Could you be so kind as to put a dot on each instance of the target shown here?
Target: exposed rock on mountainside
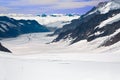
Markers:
(101, 21)
(2, 48)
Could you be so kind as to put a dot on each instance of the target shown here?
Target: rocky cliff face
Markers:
(101, 21)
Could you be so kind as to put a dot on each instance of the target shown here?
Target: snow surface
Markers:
(32, 59)
(39, 43)
(15, 68)
(111, 5)
(38, 69)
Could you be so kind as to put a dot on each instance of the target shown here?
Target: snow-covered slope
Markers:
(58, 61)
(105, 7)
(111, 20)
(96, 23)
(37, 43)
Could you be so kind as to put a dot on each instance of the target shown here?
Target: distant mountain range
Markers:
(52, 21)
(13, 25)
(41, 15)
(10, 27)
(102, 21)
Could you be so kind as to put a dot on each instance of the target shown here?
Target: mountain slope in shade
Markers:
(10, 27)
(70, 26)
(52, 22)
(95, 24)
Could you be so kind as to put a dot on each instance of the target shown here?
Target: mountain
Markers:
(69, 26)
(101, 21)
(56, 25)
(52, 22)
(10, 27)
(43, 19)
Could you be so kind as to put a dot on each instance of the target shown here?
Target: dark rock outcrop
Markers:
(71, 26)
(112, 40)
(2, 48)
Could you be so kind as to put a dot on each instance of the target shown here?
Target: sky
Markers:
(47, 6)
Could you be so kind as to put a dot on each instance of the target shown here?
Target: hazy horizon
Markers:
(47, 6)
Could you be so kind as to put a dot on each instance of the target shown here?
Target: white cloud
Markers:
(45, 5)
(57, 3)
(42, 1)
(81, 4)
(69, 5)
(32, 2)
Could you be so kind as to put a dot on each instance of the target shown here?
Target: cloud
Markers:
(44, 5)
(41, 2)
(32, 2)
(67, 4)
(71, 5)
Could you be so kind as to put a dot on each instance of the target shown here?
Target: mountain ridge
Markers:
(87, 26)
(10, 27)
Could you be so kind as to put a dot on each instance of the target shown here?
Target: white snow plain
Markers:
(32, 59)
